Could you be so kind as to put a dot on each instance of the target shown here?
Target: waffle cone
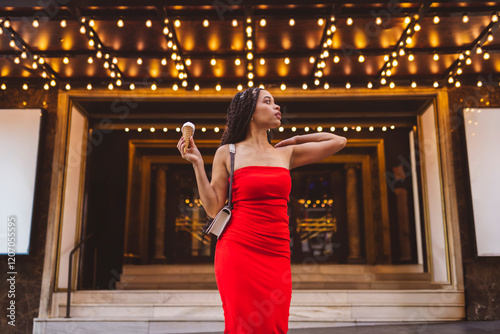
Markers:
(187, 132)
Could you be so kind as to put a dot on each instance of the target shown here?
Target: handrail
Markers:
(68, 298)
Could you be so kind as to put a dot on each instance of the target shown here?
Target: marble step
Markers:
(306, 305)
(303, 277)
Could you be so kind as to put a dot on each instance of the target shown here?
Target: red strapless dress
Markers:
(252, 257)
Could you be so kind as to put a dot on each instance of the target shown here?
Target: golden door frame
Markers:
(139, 181)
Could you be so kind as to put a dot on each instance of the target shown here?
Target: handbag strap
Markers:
(232, 151)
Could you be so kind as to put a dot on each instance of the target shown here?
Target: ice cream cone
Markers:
(187, 131)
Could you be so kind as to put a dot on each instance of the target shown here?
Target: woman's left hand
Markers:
(286, 142)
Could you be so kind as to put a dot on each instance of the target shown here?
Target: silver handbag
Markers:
(218, 224)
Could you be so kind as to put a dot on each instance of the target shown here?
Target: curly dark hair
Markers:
(239, 115)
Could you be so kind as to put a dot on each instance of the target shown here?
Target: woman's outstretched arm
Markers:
(311, 148)
(212, 194)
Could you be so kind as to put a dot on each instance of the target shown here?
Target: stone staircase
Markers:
(184, 299)
(200, 311)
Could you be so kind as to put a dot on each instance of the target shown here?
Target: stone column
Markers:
(160, 215)
(353, 223)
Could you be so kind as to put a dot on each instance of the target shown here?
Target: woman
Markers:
(252, 257)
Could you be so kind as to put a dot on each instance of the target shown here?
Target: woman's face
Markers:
(266, 113)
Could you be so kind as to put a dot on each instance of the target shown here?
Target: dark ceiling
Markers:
(396, 42)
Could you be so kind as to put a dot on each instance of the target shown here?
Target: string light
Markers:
(132, 86)
(468, 61)
(347, 85)
(206, 23)
(435, 57)
(52, 83)
(320, 21)
(262, 61)
(306, 129)
(139, 61)
(490, 37)
(235, 23)
(68, 86)
(486, 56)
(110, 86)
(370, 85)
(417, 27)
(435, 84)
(361, 58)
(4, 86)
(384, 128)
(479, 83)
(89, 86)
(326, 85)
(46, 86)
(216, 129)
(411, 57)
(291, 22)
(139, 129)
(65, 60)
(153, 86)
(457, 84)
(371, 128)
(304, 86)
(283, 86)
(413, 84)
(293, 129)
(175, 87)
(345, 128)
(336, 59)
(349, 21)
(196, 87)
(218, 87)
(127, 129)
(392, 85)
(35, 23)
(177, 23)
(465, 18)
(494, 17)
(320, 128)
(287, 60)
(435, 20)
(263, 22)
(25, 86)
(407, 20)
(213, 62)
(378, 21)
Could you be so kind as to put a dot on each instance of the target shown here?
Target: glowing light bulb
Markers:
(66, 60)
(435, 20)
(486, 56)
(153, 86)
(132, 86)
(465, 18)
(347, 85)
(435, 84)
(196, 87)
(177, 23)
(435, 57)
(68, 86)
(304, 86)
(262, 61)
(378, 21)
(291, 22)
(349, 21)
(213, 62)
(263, 22)
(120, 23)
(287, 60)
(149, 23)
(361, 58)
(235, 23)
(63, 23)
(411, 57)
(392, 85)
(336, 59)
(417, 27)
(139, 61)
(206, 23)
(369, 85)
(89, 87)
(320, 21)
(283, 86)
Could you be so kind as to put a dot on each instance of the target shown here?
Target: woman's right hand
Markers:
(192, 155)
